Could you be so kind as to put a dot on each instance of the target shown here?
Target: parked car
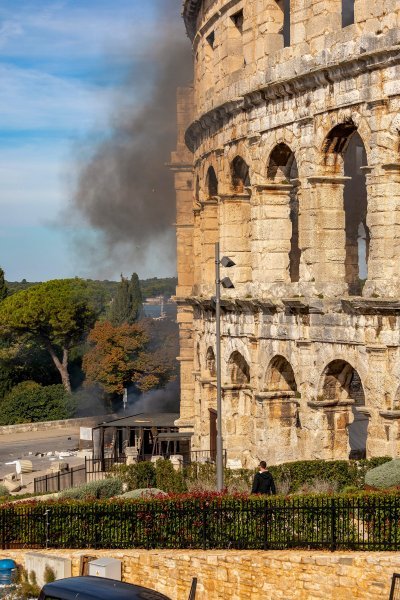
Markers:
(97, 588)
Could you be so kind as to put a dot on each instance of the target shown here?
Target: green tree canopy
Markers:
(56, 314)
(3, 286)
(136, 300)
(118, 357)
(127, 304)
(29, 402)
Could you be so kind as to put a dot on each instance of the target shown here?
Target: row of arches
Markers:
(340, 381)
(340, 384)
(344, 154)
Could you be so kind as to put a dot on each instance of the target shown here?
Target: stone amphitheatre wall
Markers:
(293, 165)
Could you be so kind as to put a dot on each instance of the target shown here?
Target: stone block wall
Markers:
(252, 575)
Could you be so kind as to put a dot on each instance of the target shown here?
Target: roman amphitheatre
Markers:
(288, 155)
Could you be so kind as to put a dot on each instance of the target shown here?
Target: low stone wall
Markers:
(250, 575)
(48, 425)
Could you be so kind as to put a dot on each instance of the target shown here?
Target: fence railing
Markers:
(60, 480)
(106, 464)
(362, 523)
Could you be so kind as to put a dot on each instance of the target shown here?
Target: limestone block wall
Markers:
(250, 575)
(295, 142)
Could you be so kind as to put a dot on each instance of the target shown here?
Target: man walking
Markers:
(263, 482)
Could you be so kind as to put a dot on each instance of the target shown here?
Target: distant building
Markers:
(288, 154)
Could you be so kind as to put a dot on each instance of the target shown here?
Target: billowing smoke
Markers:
(156, 401)
(124, 190)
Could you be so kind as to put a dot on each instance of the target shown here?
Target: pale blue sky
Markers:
(61, 65)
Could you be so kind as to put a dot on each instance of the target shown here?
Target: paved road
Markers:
(20, 445)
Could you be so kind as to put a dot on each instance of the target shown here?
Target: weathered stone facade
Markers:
(250, 575)
(293, 164)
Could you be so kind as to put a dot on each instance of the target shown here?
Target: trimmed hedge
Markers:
(344, 473)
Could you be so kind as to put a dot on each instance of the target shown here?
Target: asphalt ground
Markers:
(27, 445)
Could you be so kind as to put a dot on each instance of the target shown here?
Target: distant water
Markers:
(154, 310)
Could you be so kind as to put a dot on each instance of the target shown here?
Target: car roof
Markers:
(98, 588)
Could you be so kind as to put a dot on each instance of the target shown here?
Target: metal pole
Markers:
(220, 462)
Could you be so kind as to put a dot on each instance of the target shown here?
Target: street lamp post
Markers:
(227, 283)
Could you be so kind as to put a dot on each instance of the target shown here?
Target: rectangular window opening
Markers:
(347, 12)
(237, 19)
(284, 31)
(211, 39)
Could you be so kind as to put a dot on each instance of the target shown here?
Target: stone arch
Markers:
(332, 134)
(336, 381)
(210, 362)
(340, 384)
(280, 376)
(240, 174)
(211, 183)
(345, 154)
(239, 370)
(282, 169)
(197, 189)
(282, 165)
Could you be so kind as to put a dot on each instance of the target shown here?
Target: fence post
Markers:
(204, 507)
(265, 525)
(333, 525)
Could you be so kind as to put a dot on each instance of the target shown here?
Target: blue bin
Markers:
(8, 571)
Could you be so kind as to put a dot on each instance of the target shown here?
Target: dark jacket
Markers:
(263, 483)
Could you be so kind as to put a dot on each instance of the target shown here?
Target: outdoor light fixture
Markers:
(227, 283)
(227, 262)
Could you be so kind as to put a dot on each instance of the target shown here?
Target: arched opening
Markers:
(342, 382)
(211, 183)
(282, 168)
(355, 206)
(240, 174)
(239, 370)
(210, 362)
(197, 190)
(280, 376)
(345, 143)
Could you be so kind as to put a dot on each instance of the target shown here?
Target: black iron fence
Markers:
(61, 480)
(95, 466)
(345, 523)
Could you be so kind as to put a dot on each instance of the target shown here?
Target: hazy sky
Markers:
(62, 64)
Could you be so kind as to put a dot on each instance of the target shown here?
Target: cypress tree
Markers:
(121, 305)
(3, 287)
(136, 300)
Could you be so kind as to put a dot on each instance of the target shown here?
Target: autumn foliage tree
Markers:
(118, 357)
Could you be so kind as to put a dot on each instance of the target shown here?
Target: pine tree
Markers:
(136, 300)
(121, 305)
(3, 287)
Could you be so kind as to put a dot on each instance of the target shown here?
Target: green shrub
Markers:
(29, 402)
(144, 493)
(105, 488)
(384, 476)
(137, 476)
(4, 491)
(169, 480)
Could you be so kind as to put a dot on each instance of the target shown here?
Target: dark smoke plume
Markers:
(124, 190)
